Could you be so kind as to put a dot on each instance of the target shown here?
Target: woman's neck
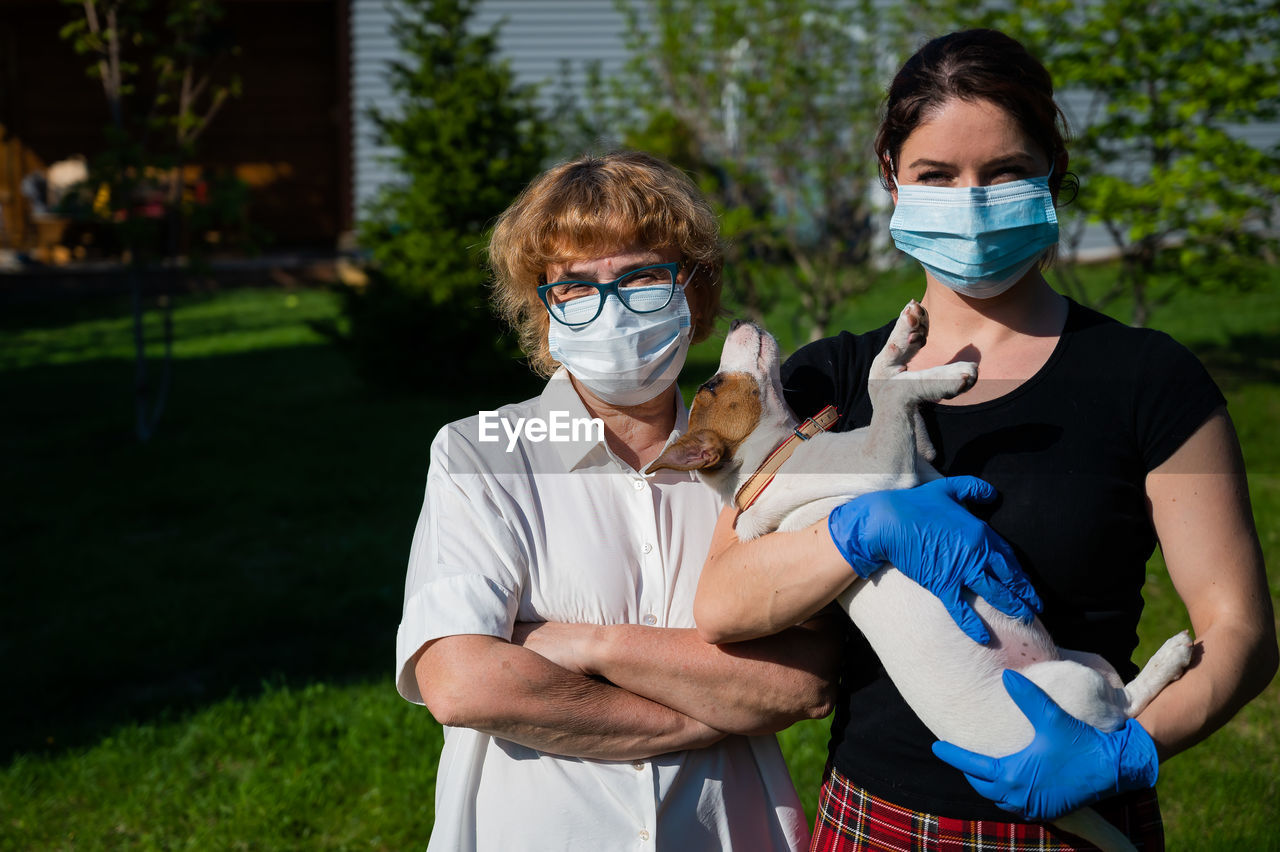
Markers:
(1029, 309)
(1010, 336)
(635, 433)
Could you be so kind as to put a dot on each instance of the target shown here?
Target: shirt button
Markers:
(644, 834)
(637, 484)
(648, 548)
(638, 765)
(651, 619)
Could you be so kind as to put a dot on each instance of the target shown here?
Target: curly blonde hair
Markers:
(594, 206)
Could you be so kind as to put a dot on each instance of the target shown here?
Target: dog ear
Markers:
(699, 450)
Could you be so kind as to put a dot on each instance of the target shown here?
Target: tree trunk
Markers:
(1138, 287)
(142, 423)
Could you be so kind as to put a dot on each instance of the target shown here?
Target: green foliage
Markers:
(773, 103)
(1164, 169)
(467, 140)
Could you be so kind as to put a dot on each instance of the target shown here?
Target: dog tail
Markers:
(1088, 824)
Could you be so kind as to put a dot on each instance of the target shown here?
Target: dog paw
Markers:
(962, 375)
(908, 335)
(1174, 655)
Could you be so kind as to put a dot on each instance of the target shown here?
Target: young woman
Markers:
(1094, 442)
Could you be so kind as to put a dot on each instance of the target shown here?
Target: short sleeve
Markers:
(1173, 397)
(466, 566)
(809, 377)
(833, 371)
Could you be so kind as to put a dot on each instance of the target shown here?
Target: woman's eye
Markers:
(932, 177)
(572, 289)
(645, 278)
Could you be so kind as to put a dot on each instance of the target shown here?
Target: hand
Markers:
(1067, 765)
(927, 534)
(566, 645)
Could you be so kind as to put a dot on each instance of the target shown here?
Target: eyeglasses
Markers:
(643, 290)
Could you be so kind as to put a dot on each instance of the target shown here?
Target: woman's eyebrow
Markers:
(1019, 159)
(922, 162)
(575, 274)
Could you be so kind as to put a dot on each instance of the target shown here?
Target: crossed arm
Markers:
(666, 691)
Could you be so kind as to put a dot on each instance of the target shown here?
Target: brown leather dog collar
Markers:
(758, 481)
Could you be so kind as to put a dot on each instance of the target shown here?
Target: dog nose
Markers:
(735, 323)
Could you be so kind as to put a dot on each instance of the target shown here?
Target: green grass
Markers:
(197, 635)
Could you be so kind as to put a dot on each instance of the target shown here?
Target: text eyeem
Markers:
(558, 427)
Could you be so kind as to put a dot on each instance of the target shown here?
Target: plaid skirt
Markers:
(852, 820)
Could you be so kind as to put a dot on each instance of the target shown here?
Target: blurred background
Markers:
(242, 286)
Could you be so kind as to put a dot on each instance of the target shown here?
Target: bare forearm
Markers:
(753, 687)
(1230, 666)
(515, 694)
(1199, 503)
(760, 587)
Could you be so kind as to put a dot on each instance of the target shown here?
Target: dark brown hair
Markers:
(973, 65)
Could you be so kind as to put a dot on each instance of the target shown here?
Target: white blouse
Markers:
(516, 527)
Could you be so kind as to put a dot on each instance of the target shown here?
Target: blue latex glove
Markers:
(1068, 765)
(928, 534)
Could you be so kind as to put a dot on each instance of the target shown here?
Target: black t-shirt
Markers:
(1068, 450)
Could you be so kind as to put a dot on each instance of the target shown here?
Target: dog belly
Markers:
(954, 684)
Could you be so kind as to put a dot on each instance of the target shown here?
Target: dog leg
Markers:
(1162, 669)
(908, 335)
(1089, 824)
(896, 435)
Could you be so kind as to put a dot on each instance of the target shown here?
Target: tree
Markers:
(1166, 171)
(156, 65)
(467, 139)
(774, 103)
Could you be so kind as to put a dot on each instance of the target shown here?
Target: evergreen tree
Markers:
(467, 139)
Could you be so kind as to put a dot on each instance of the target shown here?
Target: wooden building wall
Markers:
(286, 135)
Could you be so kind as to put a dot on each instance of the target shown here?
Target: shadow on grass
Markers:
(1246, 359)
(262, 536)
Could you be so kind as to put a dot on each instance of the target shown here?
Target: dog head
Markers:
(736, 413)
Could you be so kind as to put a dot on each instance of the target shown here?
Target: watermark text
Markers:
(559, 427)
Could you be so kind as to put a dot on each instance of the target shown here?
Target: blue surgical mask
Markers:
(624, 357)
(977, 240)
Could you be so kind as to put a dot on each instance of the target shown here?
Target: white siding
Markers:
(534, 37)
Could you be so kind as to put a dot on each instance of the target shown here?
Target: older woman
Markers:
(548, 607)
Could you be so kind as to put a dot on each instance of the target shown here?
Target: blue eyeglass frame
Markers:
(611, 287)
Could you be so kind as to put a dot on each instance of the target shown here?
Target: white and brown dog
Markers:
(738, 440)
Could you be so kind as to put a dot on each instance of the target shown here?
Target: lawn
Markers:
(198, 634)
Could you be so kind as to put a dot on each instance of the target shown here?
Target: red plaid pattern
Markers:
(852, 820)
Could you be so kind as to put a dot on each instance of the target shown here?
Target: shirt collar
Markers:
(560, 395)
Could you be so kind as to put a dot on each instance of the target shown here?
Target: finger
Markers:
(1013, 586)
(998, 793)
(1000, 597)
(1010, 572)
(967, 619)
(980, 767)
(1041, 710)
(967, 488)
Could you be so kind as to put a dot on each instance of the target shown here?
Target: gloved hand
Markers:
(1068, 765)
(927, 534)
